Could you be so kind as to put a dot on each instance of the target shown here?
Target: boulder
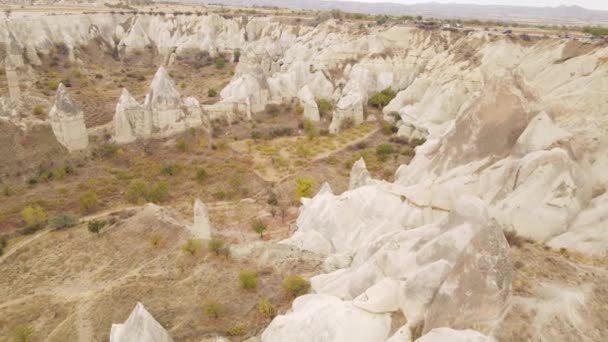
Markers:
(307, 100)
(326, 318)
(359, 176)
(67, 121)
(202, 227)
(447, 334)
(140, 326)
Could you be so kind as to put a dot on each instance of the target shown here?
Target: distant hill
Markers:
(566, 15)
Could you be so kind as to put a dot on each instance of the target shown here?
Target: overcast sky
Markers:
(593, 4)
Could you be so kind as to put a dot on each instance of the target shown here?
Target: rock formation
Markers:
(67, 121)
(140, 326)
(163, 112)
(202, 227)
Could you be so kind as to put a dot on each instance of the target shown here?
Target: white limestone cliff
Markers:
(140, 326)
(67, 121)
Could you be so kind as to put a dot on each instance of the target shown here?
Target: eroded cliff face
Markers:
(513, 140)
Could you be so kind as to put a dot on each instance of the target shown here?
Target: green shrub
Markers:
(7, 191)
(191, 247)
(259, 227)
(212, 92)
(304, 188)
(23, 333)
(272, 109)
(201, 175)
(408, 151)
(255, 135)
(106, 150)
(248, 280)
(88, 200)
(182, 145)
(34, 216)
(296, 286)
(272, 199)
(95, 226)
(596, 30)
(237, 55)
(38, 111)
(347, 123)
(158, 192)
(214, 246)
(384, 150)
(53, 84)
(136, 192)
(324, 107)
(182, 85)
(417, 141)
(59, 173)
(213, 309)
(266, 309)
(309, 128)
(237, 330)
(220, 62)
(389, 128)
(63, 220)
(168, 169)
(382, 98)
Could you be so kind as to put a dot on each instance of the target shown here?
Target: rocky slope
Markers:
(514, 140)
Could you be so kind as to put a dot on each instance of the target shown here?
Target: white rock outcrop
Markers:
(307, 100)
(202, 227)
(140, 326)
(359, 176)
(67, 121)
(447, 334)
(163, 112)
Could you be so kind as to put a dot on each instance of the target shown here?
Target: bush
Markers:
(255, 135)
(63, 220)
(212, 92)
(215, 246)
(38, 111)
(191, 247)
(408, 151)
(201, 175)
(381, 99)
(272, 199)
(266, 309)
(3, 243)
(237, 55)
(182, 145)
(324, 106)
(95, 226)
(220, 62)
(347, 123)
(136, 192)
(384, 150)
(106, 150)
(272, 109)
(23, 333)
(155, 239)
(157, 192)
(7, 191)
(53, 84)
(388, 128)
(514, 239)
(168, 169)
(237, 330)
(259, 227)
(296, 286)
(304, 188)
(213, 309)
(34, 216)
(88, 200)
(248, 280)
(309, 128)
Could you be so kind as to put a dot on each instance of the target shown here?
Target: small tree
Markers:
(34, 216)
(259, 227)
(213, 309)
(266, 309)
(215, 246)
(248, 280)
(95, 226)
(296, 286)
(237, 55)
(304, 188)
(88, 200)
(324, 106)
(191, 247)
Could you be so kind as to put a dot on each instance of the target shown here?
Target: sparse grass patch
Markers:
(95, 226)
(155, 240)
(304, 188)
(88, 201)
(34, 216)
(266, 309)
(63, 220)
(296, 286)
(215, 246)
(191, 247)
(381, 99)
(238, 329)
(248, 280)
(213, 309)
(514, 239)
(23, 333)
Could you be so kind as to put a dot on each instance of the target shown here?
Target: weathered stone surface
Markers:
(327, 318)
(359, 176)
(307, 100)
(447, 334)
(140, 326)
(202, 227)
(67, 121)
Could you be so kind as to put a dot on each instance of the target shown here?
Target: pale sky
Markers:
(592, 4)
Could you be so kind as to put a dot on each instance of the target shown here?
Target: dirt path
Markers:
(22, 244)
